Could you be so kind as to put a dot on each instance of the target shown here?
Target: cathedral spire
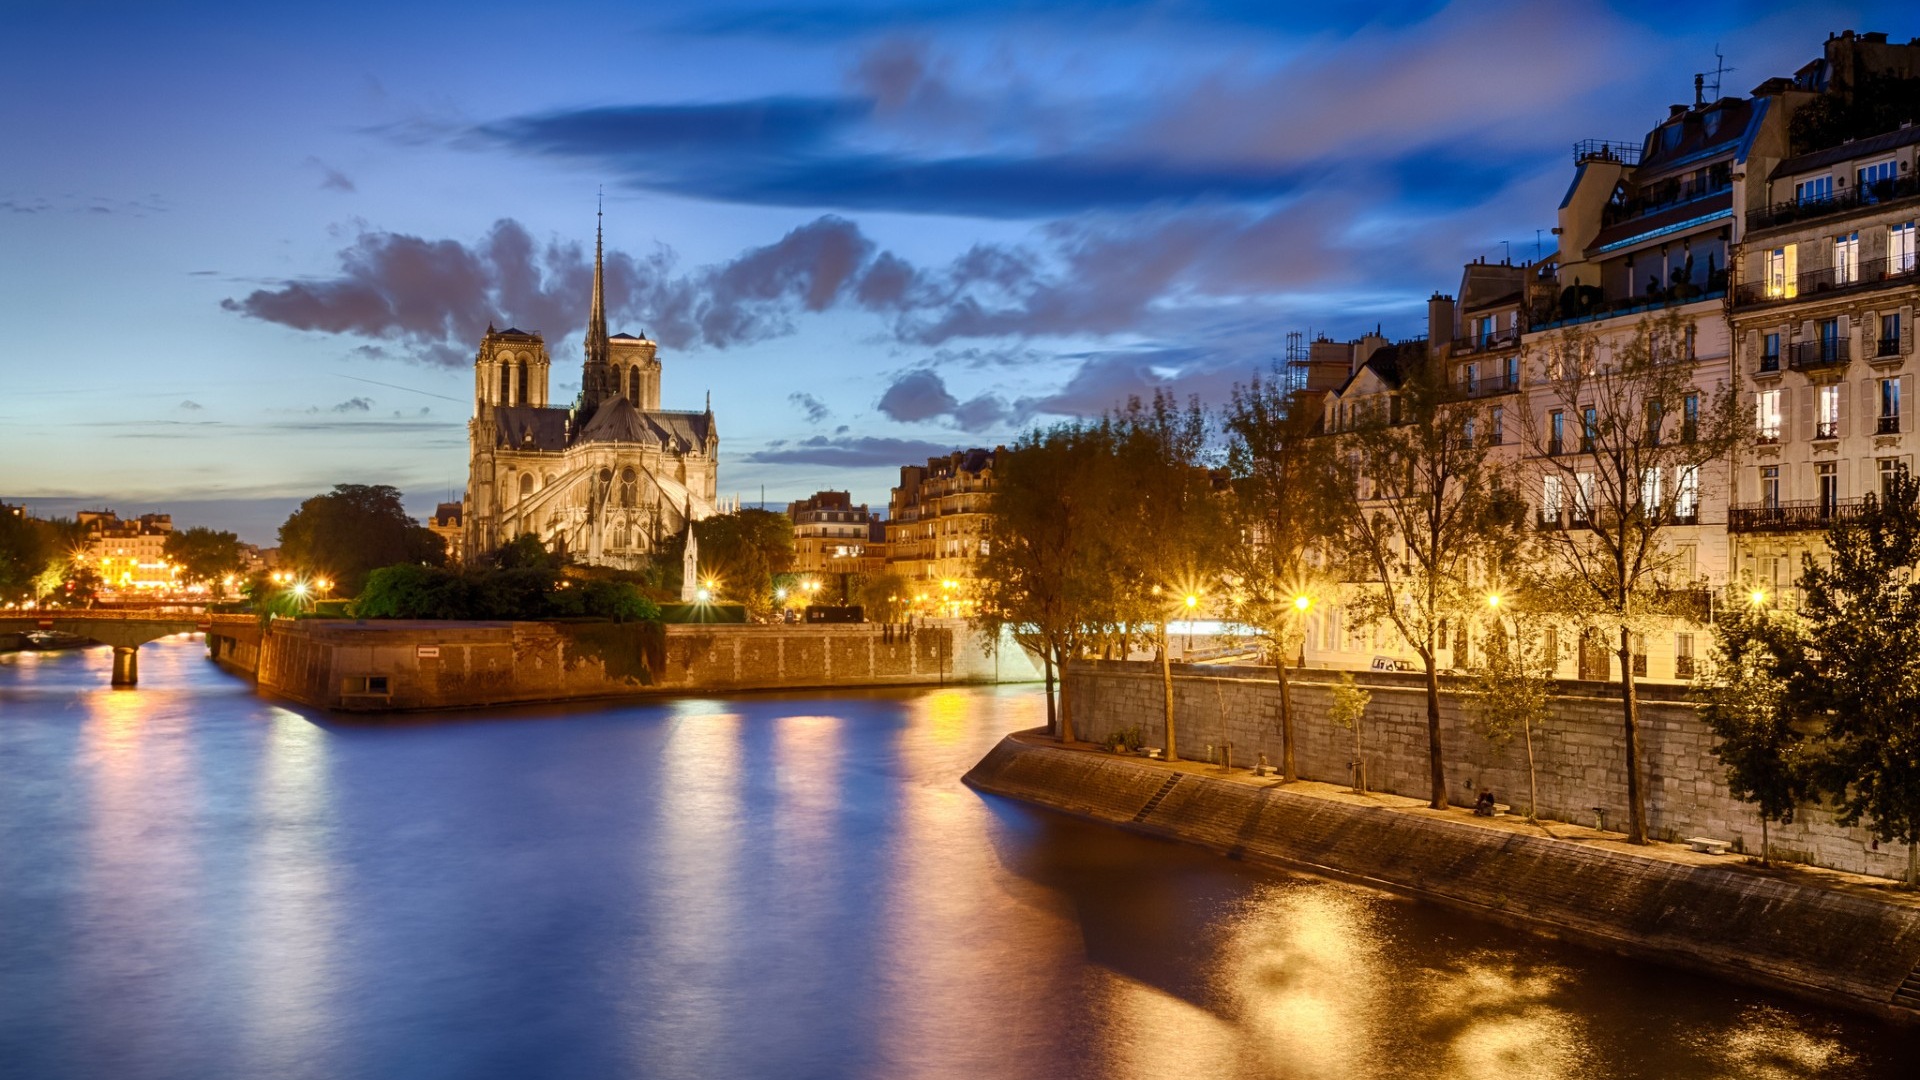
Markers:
(597, 320)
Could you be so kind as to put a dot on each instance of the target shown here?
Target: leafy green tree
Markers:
(1349, 710)
(1743, 702)
(525, 552)
(1422, 514)
(1639, 438)
(1511, 687)
(1282, 515)
(1858, 672)
(1162, 547)
(205, 556)
(742, 552)
(353, 530)
(1039, 578)
(886, 596)
(26, 549)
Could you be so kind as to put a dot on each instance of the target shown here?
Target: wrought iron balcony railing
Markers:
(1866, 274)
(1492, 339)
(1801, 516)
(1786, 213)
(1819, 353)
(1886, 347)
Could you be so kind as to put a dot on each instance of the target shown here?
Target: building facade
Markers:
(937, 529)
(833, 536)
(605, 481)
(130, 555)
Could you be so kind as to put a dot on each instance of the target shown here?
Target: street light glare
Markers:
(1757, 597)
(1302, 603)
(1493, 600)
(1192, 601)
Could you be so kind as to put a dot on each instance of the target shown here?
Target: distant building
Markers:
(448, 523)
(606, 481)
(937, 529)
(833, 536)
(131, 554)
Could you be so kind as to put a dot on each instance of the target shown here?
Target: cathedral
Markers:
(604, 481)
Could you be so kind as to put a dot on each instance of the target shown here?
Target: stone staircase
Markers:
(1908, 994)
(1154, 803)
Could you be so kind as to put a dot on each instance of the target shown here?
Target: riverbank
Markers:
(1838, 938)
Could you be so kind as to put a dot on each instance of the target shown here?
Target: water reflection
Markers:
(197, 882)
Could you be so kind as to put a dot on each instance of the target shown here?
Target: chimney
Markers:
(1699, 90)
(1439, 320)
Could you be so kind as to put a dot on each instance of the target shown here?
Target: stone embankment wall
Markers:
(381, 666)
(1839, 946)
(1579, 751)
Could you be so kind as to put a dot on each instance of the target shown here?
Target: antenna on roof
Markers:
(1719, 73)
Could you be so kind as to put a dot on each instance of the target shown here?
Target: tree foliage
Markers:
(1877, 103)
(205, 556)
(412, 591)
(886, 596)
(1511, 687)
(26, 549)
(351, 531)
(742, 552)
(1743, 701)
(1424, 518)
(1631, 460)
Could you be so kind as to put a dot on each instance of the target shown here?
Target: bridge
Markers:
(125, 629)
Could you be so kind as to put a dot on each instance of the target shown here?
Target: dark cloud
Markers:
(811, 407)
(331, 179)
(190, 406)
(352, 405)
(916, 396)
(818, 22)
(850, 453)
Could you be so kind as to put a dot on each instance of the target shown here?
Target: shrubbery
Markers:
(411, 591)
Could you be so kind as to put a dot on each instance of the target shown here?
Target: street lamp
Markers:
(1757, 597)
(1302, 602)
(1493, 600)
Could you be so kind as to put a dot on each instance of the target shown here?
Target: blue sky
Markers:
(246, 252)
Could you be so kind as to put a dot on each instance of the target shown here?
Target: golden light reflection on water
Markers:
(693, 875)
(292, 906)
(1302, 974)
(1768, 1043)
(1494, 1020)
(948, 714)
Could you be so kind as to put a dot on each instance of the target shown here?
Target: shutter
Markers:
(1843, 490)
(1869, 406)
(1807, 399)
(1752, 354)
(1841, 420)
(1786, 413)
(1906, 403)
(1906, 328)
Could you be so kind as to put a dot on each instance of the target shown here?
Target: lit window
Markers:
(1900, 248)
(1827, 413)
(1781, 280)
(1767, 415)
(1846, 259)
(1770, 486)
(1817, 189)
(1582, 496)
(1686, 494)
(1550, 497)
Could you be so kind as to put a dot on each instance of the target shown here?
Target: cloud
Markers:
(351, 405)
(811, 407)
(849, 453)
(917, 395)
(190, 406)
(331, 179)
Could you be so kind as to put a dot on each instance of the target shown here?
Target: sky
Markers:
(247, 251)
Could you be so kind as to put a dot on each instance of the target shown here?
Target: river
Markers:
(197, 882)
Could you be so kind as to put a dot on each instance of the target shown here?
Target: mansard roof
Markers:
(530, 427)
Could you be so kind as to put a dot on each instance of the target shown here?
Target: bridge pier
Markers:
(126, 665)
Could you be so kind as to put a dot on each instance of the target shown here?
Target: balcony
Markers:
(1818, 354)
(1886, 348)
(1487, 342)
(1490, 385)
(1826, 430)
(1770, 364)
(1626, 153)
(1593, 306)
(1666, 194)
(1888, 425)
(1787, 213)
(1870, 274)
(1803, 516)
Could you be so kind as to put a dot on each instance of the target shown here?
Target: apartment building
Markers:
(936, 529)
(833, 536)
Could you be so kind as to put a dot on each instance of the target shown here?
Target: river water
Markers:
(198, 882)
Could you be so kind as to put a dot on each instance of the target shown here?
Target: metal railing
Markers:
(1626, 153)
(1664, 196)
(1826, 429)
(1819, 353)
(1883, 348)
(1869, 273)
(1488, 385)
(1493, 339)
(1786, 213)
(1803, 515)
(1889, 425)
(1769, 363)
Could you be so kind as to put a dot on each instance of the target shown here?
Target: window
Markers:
(1513, 369)
(633, 386)
(1466, 432)
(1829, 330)
(1889, 335)
(1890, 468)
(1650, 493)
(526, 485)
(1828, 477)
(506, 384)
(1495, 429)
(1816, 189)
(1589, 428)
(1483, 330)
(1553, 645)
(1686, 493)
(1690, 417)
(1781, 277)
(1550, 498)
(1766, 415)
(1826, 423)
(1638, 643)
(629, 488)
(1582, 496)
(1889, 406)
(1869, 177)
(1556, 432)
(520, 392)
(1472, 379)
(1770, 486)
(1770, 352)
(1685, 561)
(1846, 259)
(1683, 656)
(1900, 248)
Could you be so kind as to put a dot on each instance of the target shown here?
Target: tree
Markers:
(1512, 686)
(1744, 704)
(1631, 468)
(1161, 548)
(1858, 674)
(1038, 579)
(1349, 710)
(1282, 516)
(1423, 515)
(25, 552)
(353, 530)
(744, 550)
(885, 596)
(205, 556)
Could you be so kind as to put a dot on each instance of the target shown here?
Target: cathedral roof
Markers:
(617, 421)
(530, 427)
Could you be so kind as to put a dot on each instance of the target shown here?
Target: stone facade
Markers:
(1579, 755)
(937, 529)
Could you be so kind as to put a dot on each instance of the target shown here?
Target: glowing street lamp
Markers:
(1302, 603)
(1493, 600)
(1757, 597)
